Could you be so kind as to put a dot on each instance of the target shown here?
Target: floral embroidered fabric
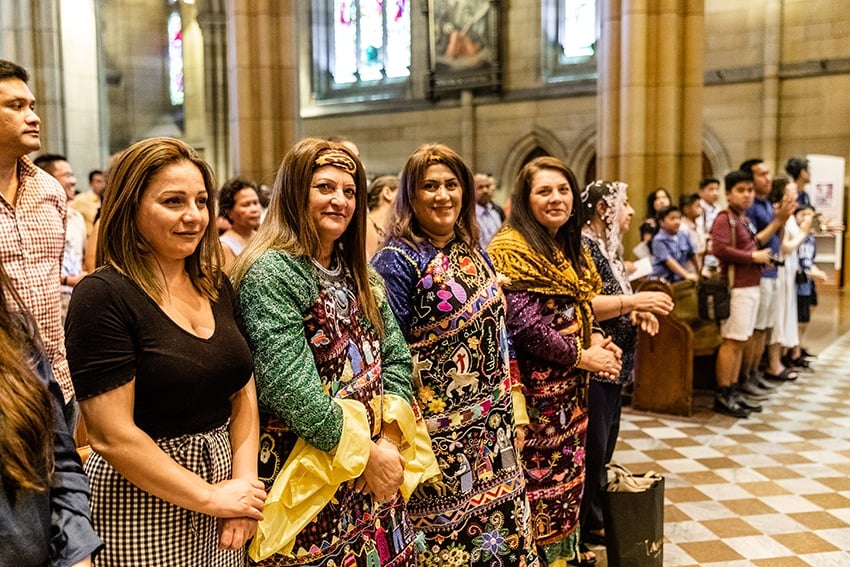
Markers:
(453, 316)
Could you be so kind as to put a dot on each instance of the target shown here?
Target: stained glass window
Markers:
(366, 43)
(570, 33)
(175, 58)
(578, 39)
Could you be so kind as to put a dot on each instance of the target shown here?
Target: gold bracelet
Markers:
(620, 297)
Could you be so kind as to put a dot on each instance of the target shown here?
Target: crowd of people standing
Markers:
(352, 374)
(763, 245)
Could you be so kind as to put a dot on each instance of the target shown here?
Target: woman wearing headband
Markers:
(340, 443)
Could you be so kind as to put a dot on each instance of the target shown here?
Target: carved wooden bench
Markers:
(664, 366)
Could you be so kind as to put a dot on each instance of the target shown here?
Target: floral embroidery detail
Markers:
(426, 394)
(437, 405)
(455, 320)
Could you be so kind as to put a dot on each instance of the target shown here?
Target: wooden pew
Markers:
(664, 366)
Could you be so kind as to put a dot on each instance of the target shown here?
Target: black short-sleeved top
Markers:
(115, 332)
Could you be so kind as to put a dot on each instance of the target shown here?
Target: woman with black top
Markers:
(162, 372)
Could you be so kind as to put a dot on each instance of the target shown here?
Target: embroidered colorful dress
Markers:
(549, 317)
(453, 316)
(326, 383)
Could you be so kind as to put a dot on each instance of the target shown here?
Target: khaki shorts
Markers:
(743, 308)
(768, 308)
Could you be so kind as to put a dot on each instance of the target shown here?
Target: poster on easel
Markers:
(826, 191)
(826, 185)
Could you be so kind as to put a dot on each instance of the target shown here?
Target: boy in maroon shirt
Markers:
(742, 255)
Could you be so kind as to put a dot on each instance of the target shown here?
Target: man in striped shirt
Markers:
(32, 222)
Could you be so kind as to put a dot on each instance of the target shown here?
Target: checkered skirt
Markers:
(139, 529)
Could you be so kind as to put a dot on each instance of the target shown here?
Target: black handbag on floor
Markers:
(633, 508)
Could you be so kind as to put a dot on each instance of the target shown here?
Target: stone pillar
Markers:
(212, 21)
(649, 104)
(31, 38)
(263, 62)
(771, 95)
(83, 92)
(194, 82)
(467, 147)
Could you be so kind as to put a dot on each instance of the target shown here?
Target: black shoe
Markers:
(746, 402)
(753, 390)
(586, 557)
(765, 385)
(724, 403)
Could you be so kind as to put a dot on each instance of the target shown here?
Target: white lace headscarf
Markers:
(614, 195)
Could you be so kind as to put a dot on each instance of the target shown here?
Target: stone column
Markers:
(770, 84)
(31, 38)
(194, 80)
(467, 147)
(213, 24)
(649, 104)
(263, 63)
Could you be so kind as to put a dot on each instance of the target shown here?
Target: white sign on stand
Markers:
(826, 191)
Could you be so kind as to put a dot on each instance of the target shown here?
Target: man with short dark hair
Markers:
(768, 222)
(32, 221)
(490, 215)
(798, 169)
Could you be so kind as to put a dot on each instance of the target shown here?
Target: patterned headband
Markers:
(337, 158)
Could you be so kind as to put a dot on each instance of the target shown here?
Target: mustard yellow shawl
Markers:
(529, 270)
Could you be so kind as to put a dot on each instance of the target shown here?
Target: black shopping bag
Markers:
(634, 521)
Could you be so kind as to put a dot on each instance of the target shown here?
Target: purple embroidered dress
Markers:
(543, 331)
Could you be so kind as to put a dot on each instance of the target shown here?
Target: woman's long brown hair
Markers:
(404, 224)
(26, 409)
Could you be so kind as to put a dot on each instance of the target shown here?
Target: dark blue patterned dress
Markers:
(452, 314)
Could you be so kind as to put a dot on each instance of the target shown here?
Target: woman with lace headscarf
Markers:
(607, 214)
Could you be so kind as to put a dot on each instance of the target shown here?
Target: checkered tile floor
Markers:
(770, 490)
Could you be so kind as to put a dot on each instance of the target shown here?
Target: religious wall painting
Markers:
(464, 45)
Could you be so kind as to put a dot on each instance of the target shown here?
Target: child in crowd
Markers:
(692, 222)
(733, 238)
(647, 231)
(806, 292)
(672, 250)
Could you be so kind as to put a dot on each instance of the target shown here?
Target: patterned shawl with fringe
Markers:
(529, 270)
